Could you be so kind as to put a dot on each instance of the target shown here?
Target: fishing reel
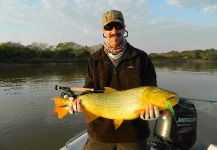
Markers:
(67, 92)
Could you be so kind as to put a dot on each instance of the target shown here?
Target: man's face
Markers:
(114, 32)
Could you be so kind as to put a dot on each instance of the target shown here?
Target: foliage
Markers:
(204, 55)
(11, 52)
(70, 52)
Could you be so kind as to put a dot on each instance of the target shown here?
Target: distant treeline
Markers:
(189, 55)
(70, 52)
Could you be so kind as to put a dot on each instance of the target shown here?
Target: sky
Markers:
(153, 25)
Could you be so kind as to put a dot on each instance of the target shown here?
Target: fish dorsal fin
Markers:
(109, 90)
(117, 123)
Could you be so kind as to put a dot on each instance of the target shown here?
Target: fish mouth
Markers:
(173, 99)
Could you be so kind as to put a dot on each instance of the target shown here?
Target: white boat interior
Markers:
(77, 142)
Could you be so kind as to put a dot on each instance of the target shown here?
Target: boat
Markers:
(77, 142)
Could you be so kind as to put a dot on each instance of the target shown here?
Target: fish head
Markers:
(158, 97)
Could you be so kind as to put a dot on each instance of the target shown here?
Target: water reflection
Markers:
(65, 72)
(21, 73)
(15, 77)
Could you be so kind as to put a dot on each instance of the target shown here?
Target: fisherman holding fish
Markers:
(120, 66)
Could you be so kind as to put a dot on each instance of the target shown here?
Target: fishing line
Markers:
(202, 107)
(200, 100)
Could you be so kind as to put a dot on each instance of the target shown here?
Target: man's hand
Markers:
(151, 113)
(76, 105)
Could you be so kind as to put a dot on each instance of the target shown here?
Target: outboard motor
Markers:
(177, 132)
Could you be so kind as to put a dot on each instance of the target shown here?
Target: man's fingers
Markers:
(147, 113)
(71, 110)
(156, 112)
(151, 113)
(142, 113)
(71, 99)
(79, 105)
(76, 105)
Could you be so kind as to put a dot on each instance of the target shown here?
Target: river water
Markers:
(27, 120)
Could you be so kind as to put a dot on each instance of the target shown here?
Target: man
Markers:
(120, 66)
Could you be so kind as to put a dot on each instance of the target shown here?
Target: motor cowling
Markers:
(180, 130)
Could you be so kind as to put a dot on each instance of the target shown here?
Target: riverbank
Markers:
(71, 52)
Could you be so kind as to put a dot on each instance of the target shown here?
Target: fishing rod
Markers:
(70, 90)
(79, 89)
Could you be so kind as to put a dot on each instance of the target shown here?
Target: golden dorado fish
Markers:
(118, 105)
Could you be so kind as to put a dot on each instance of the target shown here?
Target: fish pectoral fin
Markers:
(109, 90)
(61, 112)
(117, 123)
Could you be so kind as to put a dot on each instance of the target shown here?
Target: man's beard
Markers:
(115, 35)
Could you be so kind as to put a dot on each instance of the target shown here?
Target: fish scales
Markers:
(115, 105)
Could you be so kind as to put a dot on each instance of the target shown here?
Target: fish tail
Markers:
(59, 102)
(170, 108)
(61, 106)
(61, 112)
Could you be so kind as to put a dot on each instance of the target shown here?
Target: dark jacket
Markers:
(135, 69)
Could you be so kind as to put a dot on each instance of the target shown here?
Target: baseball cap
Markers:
(112, 16)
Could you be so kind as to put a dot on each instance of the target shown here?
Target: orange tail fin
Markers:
(60, 101)
(61, 106)
(61, 112)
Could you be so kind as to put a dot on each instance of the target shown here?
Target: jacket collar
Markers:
(129, 53)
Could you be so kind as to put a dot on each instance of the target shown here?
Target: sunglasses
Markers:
(115, 25)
